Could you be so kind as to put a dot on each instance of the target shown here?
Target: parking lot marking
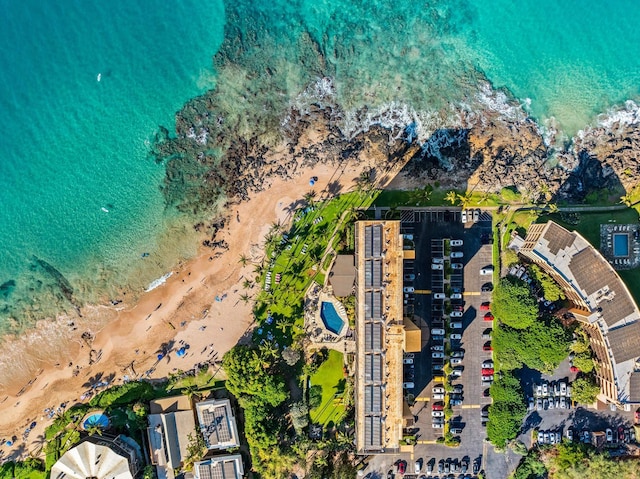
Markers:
(426, 442)
(422, 291)
(424, 399)
(471, 293)
(471, 406)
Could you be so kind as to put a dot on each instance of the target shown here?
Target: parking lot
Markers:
(434, 314)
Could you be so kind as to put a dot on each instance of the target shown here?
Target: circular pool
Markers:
(95, 419)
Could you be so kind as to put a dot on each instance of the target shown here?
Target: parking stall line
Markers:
(422, 399)
(471, 406)
(471, 293)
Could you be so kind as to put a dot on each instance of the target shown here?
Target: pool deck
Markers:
(607, 245)
(317, 332)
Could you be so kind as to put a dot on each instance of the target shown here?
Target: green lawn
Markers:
(330, 376)
(395, 198)
(294, 259)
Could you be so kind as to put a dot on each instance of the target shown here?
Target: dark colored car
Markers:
(441, 466)
(486, 287)
(476, 466)
(487, 346)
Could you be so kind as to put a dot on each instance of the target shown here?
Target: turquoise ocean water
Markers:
(72, 145)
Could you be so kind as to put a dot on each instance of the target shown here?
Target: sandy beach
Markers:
(198, 307)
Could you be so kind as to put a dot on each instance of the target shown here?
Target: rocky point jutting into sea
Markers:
(336, 87)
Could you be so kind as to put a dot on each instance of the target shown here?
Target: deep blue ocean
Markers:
(85, 85)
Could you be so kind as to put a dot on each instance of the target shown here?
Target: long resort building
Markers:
(601, 302)
(380, 336)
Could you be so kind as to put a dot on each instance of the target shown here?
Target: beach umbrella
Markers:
(181, 352)
(312, 182)
(160, 356)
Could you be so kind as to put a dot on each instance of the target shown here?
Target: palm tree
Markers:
(247, 284)
(451, 196)
(464, 199)
(552, 208)
(245, 298)
(276, 228)
(309, 197)
(422, 195)
(626, 200)
(243, 259)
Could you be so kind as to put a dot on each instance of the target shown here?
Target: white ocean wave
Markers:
(158, 282)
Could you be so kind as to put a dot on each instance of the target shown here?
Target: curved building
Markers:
(601, 302)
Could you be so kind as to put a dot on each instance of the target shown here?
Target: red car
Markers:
(487, 347)
(437, 406)
(402, 467)
(487, 371)
(485, 307)
(488, 317)
(637, 416)
(574, 369)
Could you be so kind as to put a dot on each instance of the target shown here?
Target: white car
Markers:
(456, 336)
(408, 289)
(408, 385)
(438, 396)
(457, 372)
(438, 390)
(463, 216)
(456, 296)
(456, 314)
(456, 242)
(418, 466)
(437, 332)
(457, 266)
(439, 296)
(455, 361)
(456, 325)
(437, 260)
(407, 360)
(437, 348)
(437, 413)
(437, 267)
(437, 425)
(486, 270)
(456, 254)
(437, 355)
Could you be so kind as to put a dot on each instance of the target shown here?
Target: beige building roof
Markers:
(593, 285)
(380, 337)
(413, 337)
(343, 275)
(217, 424)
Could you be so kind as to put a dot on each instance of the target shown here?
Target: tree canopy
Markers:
(585, 390)
(513, 303)
(507, 410)
(541, 346)
(552, 291)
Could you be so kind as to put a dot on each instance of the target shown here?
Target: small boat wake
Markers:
(99, 77)
(104, 209)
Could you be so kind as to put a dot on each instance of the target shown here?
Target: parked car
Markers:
(455, 361)
(456, 242)
(487, 346)
(487, 364)
(487, 371)
(456, 314)
(463, 216)
(457, 389)
(569, 434)
(438, 396)
(458, 353)
(574, 369)
(430, 466)
(476, 466)
(476, 215)
(438, 389)
(457, 266)
(437, 331)
(437, 413)
(545, 389)
(547, 439)
(485, 306)
(436, 266)
(407, 360)
(408, 385)
(409, 277)
(487, 377)
(456, 336)
(437, 425)
(532, 404)
(487, 270)
(538, 389)
(440, 466)
(456, 325)
(609, 434)
(439, 296)
(437, 260)
(437, 406)
(409, 289)
(563, 388)
(455, 430)
(402, 467)
(458, 307)
(486, 393)
(456, 254)
(486, 334)
(487, 287)
(455, 402)
(437, 355)
(456, 296)
(539, 404)
(488, 317)
(437, 347)
(457, 372)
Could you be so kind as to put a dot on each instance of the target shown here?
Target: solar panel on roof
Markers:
(377, 241)
(368, 273)
(230, 470)
(204, 471)
(377, 274)
(376, 311)
(368, 241)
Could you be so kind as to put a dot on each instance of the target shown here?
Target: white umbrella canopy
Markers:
(89, 460)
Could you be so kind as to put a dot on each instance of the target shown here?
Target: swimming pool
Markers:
(620, 245)
(97, 419)
(330, 317)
